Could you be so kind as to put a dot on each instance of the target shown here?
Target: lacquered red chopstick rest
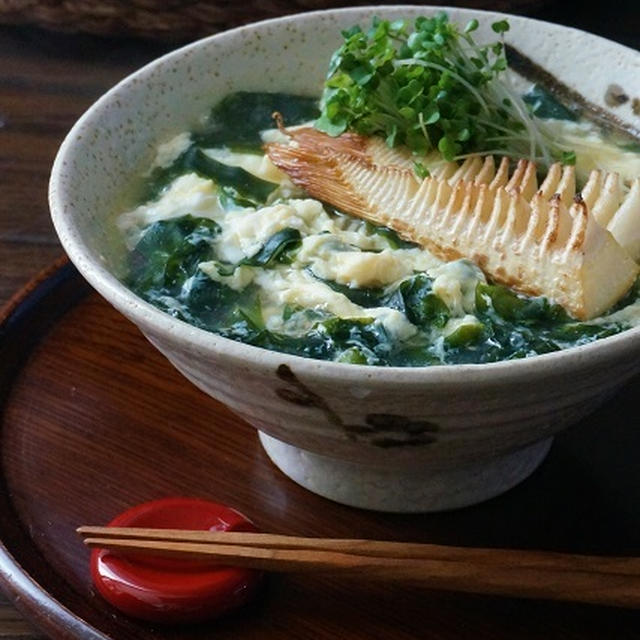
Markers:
(168, 590)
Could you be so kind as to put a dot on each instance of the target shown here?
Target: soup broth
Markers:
(223, 240)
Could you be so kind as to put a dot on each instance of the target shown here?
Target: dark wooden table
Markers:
(47, 80)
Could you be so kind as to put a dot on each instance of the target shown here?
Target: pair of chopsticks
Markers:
(527, 574)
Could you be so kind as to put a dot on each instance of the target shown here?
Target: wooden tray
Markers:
(95, 420)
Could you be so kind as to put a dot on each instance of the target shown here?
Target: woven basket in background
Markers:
(180, 20)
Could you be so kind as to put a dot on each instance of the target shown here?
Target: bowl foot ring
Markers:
(414, 491)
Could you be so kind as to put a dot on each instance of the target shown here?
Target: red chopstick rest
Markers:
(168, 590)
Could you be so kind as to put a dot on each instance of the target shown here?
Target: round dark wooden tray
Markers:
(94, 420)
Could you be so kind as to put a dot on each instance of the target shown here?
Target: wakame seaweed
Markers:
(237, 184)
(280, 247)
(237, 120)
(164, 271)
(421, 306)
(545, 105)
(169, 253)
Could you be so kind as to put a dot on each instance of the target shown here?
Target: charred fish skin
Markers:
(539, 240)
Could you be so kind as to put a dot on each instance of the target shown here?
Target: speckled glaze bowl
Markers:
(392, 439)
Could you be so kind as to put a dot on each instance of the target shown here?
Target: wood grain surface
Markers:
(173, 21)
(47, 80)
(96, 420)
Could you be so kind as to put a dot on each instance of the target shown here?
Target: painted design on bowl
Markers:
(385, 430)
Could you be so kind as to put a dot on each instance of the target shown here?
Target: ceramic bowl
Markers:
(391, 439)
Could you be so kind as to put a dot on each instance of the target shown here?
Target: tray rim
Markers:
(40, 607)
(31, 593)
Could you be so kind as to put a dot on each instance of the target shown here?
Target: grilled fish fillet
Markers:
(540, 240)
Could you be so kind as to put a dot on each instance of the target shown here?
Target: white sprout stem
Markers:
(523, 116)
(500, 128)
(512, 95)
(507, 138)
(531, 138)
(463, 54)
(548, 133)
(535, 135)
(423, 128)
(495, 81)
(526, 117)
(569, 147)
(433, 65)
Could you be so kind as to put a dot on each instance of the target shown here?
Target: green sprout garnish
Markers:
(429, 88)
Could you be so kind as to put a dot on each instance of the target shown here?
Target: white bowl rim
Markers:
(152, 319)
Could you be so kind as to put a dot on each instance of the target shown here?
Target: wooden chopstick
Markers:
(529, 574)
